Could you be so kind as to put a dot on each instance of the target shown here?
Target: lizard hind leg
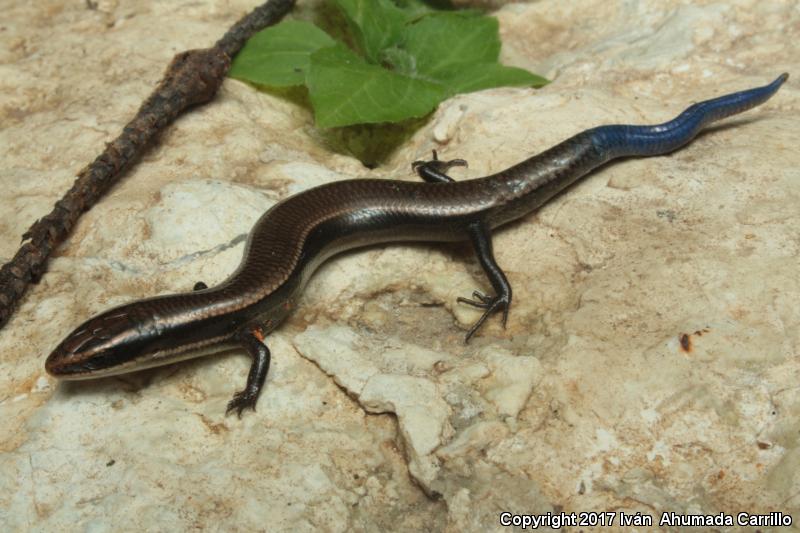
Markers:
(433, 170)
(482, 242)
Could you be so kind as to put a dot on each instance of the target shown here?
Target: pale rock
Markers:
(473, 439)
(421, 411)
(334, 351)
(649, 363)
(511, 381)
(422, 414)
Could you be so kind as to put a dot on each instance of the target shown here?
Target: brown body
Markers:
(290, 240)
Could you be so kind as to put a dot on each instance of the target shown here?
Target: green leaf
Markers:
(376, 24)
(345, 90)
(465, 78)
(415, 56)
(279, 56)
(415, 9)
(399, 60)
(440, 41)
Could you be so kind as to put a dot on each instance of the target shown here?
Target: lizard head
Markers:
(104, 345)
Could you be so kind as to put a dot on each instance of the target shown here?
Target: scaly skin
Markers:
(294, 237)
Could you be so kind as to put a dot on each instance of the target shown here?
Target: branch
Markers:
(193, 77)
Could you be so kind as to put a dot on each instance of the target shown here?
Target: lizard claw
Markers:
(491, 304)
(242, 400)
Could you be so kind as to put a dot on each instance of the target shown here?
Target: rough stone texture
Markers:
(651, 358)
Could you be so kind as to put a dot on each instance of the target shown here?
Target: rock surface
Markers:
(652, 355)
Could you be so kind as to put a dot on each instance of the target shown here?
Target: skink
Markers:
(297, 234)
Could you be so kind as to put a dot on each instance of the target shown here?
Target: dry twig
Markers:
(193, 77)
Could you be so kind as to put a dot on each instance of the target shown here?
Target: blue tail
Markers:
(622, 140)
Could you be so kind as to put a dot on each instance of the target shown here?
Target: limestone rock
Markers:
(649, 364)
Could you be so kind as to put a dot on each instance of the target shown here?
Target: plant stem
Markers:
(193, 77)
